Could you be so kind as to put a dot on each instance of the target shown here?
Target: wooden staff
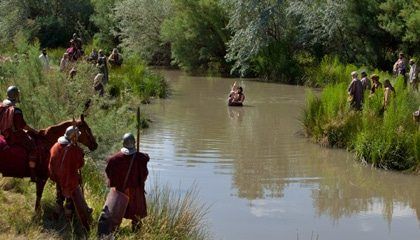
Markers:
(138, 129)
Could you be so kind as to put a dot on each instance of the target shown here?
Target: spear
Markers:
(138, 129)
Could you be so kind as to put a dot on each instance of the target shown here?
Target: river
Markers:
(260, 178)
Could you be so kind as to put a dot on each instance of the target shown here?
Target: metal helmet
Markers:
(72, 132)
(13, 93)
(129, 141)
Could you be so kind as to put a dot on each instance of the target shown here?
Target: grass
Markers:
(49, 97)
(387, 139)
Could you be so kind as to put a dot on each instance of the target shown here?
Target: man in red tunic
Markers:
(116, 171)
(65, 162)
(15, 130)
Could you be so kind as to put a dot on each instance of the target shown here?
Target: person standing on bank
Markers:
(365, 81)
(355, 91)
(413, 75)
(127, 172)
(66, 161)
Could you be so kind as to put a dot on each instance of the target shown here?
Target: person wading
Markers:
(66, 162)
(15, 130)
(355, 91)
(127, 173)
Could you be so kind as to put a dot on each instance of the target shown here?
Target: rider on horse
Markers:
(15, 130)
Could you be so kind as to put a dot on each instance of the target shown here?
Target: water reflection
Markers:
(254, 154)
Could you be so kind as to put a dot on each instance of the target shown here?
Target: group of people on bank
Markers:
(357, 88)
(75, 52)
(126, 170)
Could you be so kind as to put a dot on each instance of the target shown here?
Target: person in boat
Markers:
(130, 181)
(236, 96)
(16, 131)
(66, 161)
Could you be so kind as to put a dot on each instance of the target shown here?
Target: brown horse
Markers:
(14, 159)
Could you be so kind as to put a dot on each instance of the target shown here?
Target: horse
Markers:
(14, 159)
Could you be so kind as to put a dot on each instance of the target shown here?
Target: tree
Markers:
(198, 35)
(13, 20)
(106, 24)
(139, 28)
(254, 24)
(346, 28)
(51, 21)
(401, 18)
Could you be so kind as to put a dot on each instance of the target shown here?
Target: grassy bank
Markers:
(49, 97)
(387, 139)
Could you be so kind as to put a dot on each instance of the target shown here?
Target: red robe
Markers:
(12, 125)
(117, 169)
(65, 171)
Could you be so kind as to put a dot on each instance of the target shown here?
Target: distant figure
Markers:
(413, 75)
(72, 51)
(77, 42)
(73, 72)
(127, 173)
(389, 93)
(98, 84)
(115, 59)
(400, 67)
(102, 65)
(64, 62)
(236, 96)
(45, 61)
(375, 83)
(365, 81)
(93, 57)
(355, 91)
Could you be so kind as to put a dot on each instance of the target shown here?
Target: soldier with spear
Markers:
(127, 173)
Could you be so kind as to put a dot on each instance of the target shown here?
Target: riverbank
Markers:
(48, 97)
(387, 139)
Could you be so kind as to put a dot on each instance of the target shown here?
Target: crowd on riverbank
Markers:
(49, 96)
(384, 129)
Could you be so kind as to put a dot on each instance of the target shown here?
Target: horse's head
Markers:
(86, 137)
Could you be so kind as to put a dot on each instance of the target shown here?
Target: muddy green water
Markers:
(263, 180)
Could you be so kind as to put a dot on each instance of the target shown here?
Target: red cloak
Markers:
(117, 169)
(64, 169)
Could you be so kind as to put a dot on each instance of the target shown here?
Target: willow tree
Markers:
(197, 33)
(401, 18)
(139, 25)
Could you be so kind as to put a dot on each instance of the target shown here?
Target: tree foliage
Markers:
(104, 20)
(254, 25)
(401, 18)
(197, 35)
(139, 27)
(51, 21)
